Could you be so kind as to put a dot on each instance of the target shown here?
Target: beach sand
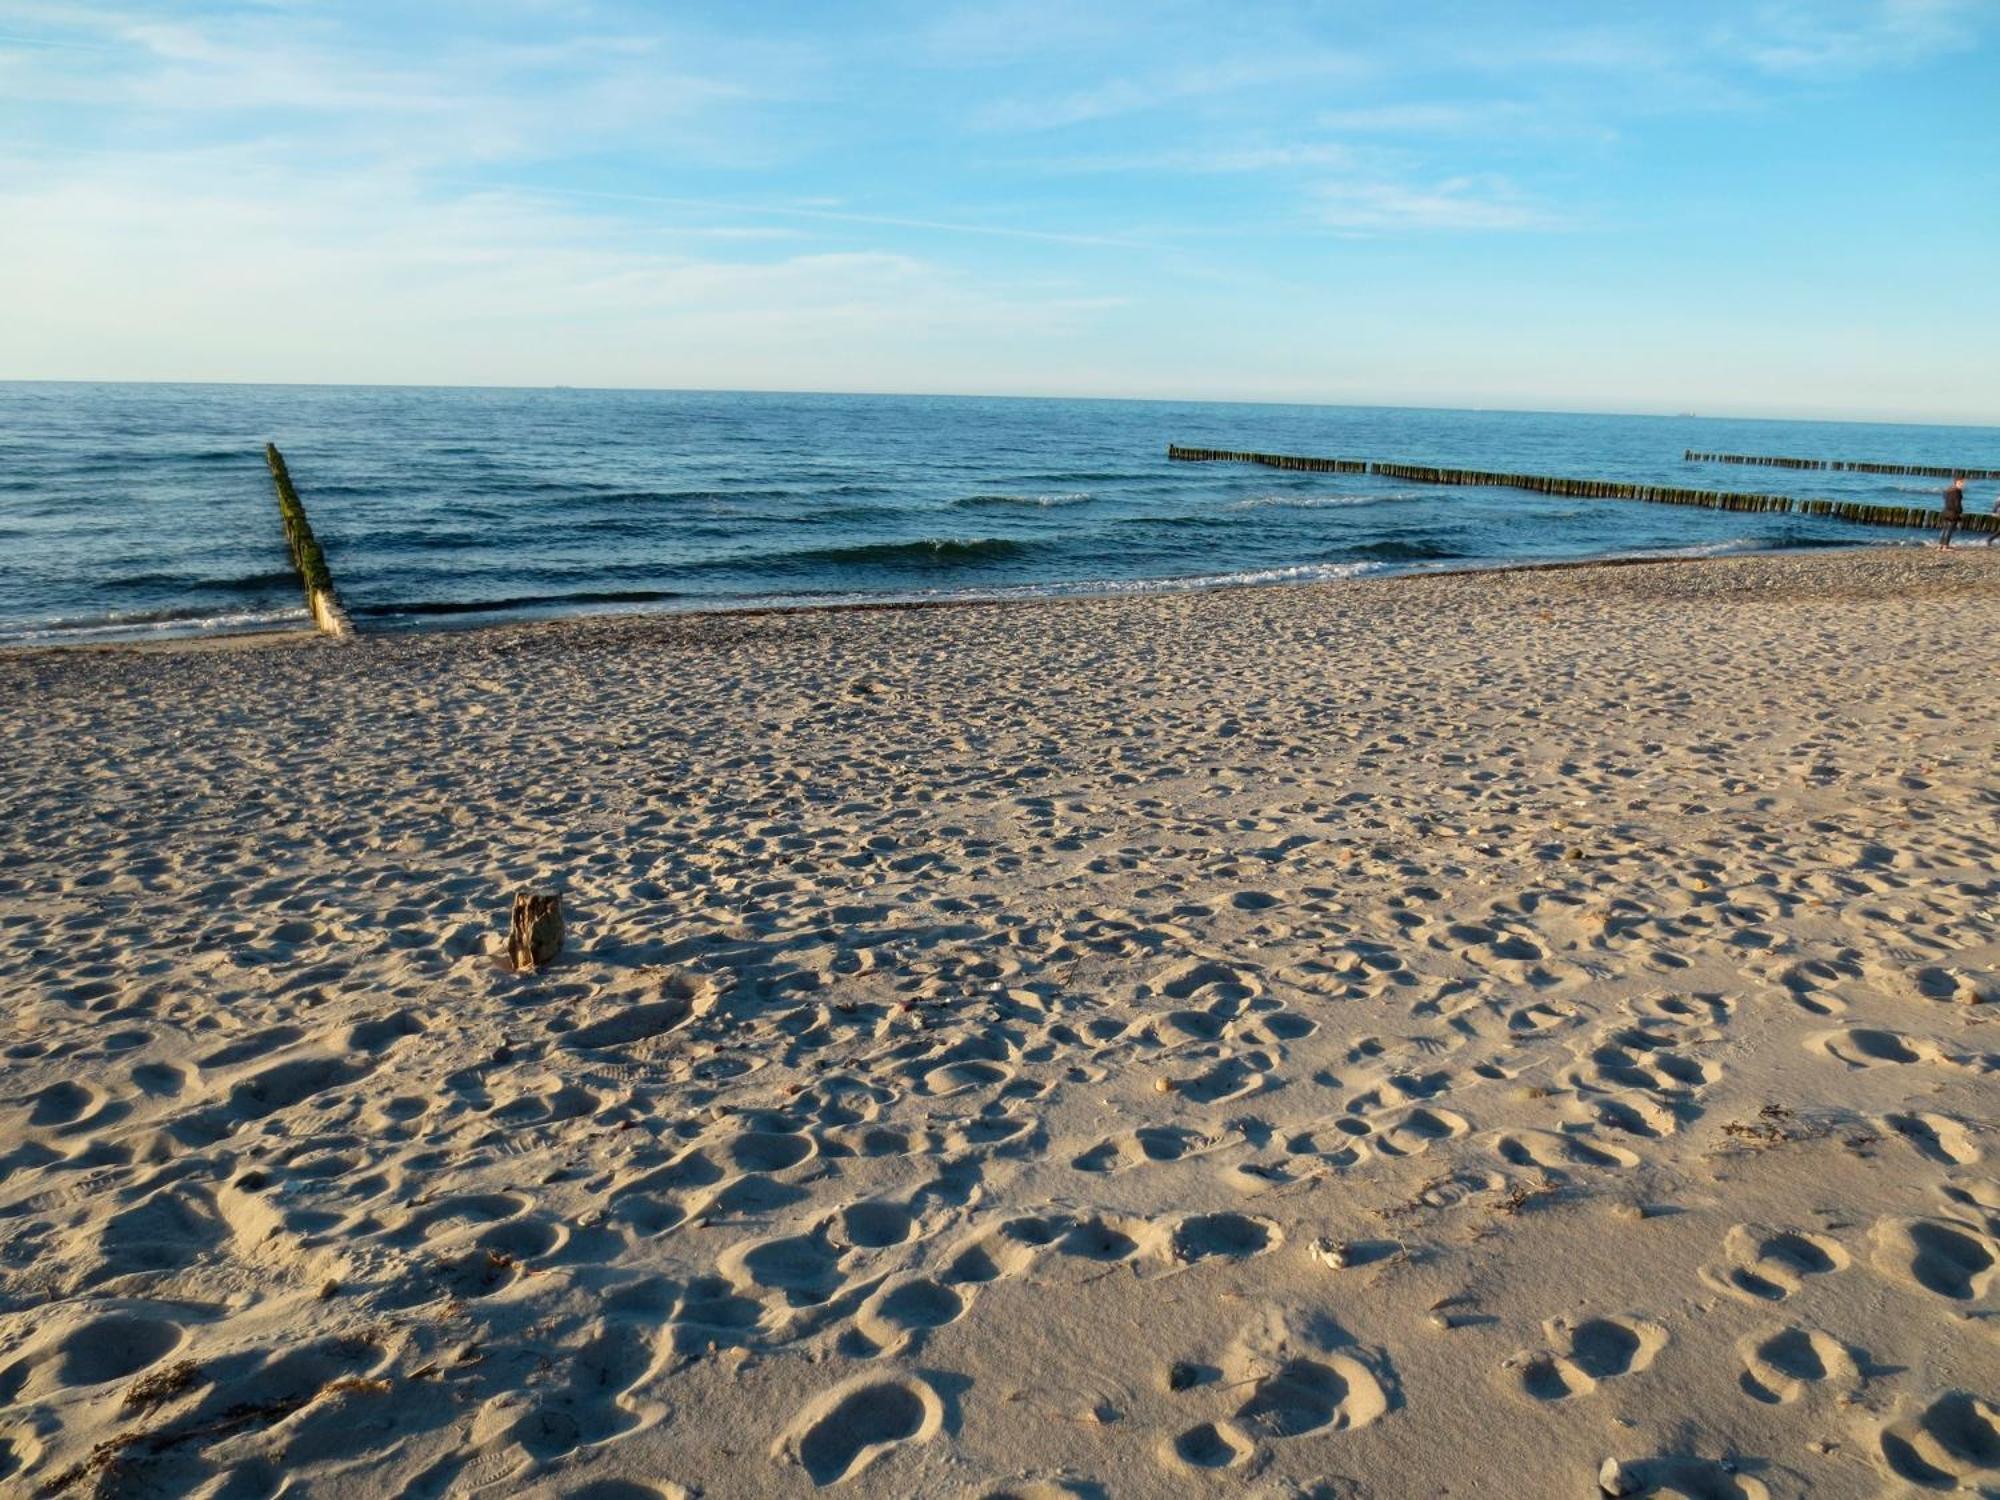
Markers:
(1395, 1038)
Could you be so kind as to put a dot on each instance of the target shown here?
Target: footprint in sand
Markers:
(1938, 1138)
(1007, 1249)
(599, 1402)
(1223, 1236)
(1631, 1112)
(1411, 1132)
(896, 1318)
(1678, 1477)
(1229, 1079)
(1979, 1201)
(1044, 1489)
(1808, 984)
(1219, 987)
(1149, 1143)
(1581, 1355)
(127, 1339)
(1637, 1057)
(1540, 1016)
(875, 1224)
(1878, 1046)
(1331, 1393)
(853, 1426)
(1770, 1265)
(1941, 1256)
(1781, 1365)
(1949, 1443)
(1291, 1385)
(1554, 1151)
(1694, 1018)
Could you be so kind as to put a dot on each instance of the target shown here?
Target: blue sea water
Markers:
(139, 510)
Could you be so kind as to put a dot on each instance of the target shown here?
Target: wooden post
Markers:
(535, 934)
(321, 599)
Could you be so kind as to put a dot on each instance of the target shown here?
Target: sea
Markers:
(135, 511)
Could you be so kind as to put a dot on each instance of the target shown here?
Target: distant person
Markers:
(1954, 509)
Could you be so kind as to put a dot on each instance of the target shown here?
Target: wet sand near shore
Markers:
(1484, 1034)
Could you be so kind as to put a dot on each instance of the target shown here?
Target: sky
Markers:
(1735, 207)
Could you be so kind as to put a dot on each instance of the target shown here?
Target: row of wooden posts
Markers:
(307, 556)
(331, 618)
(1848, 465)
(1594, 489)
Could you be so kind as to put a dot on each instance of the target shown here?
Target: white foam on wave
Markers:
(1032, 502)
(1081, 588)
(143, 627)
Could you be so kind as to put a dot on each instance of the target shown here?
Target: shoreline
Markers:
(1139, 589)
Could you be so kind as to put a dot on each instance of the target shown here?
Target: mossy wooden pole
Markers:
(321, 599)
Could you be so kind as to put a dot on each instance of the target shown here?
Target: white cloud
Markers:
(1848, 35)
(1478, 203)
(360, 279)
(1128, 95)
(1222, 160)
(257, 75)
(1415, 118)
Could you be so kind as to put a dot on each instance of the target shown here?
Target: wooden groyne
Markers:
(1849, 466)
(307, 556)
(1271, 460)
(1597, 489)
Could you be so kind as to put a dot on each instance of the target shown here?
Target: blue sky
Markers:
(1779, 207)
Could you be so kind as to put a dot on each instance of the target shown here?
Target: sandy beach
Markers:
(1485, 1035)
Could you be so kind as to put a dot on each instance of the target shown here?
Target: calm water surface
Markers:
(136, 510)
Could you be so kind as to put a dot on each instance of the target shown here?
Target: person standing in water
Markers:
(1954, 509)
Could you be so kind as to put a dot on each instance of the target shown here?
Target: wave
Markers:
(1319, 572)
(249, 453)
(1311, 502)
(1391, 550)
(141, 624)
(244, 583)
(1026, 502)
(932, 553)
(515, 602)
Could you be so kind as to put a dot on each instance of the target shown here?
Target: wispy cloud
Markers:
(824, 213)
(616, 190)
(1129, 95)
(249, 72)
(1843, 36)
(523, 290)
(1426, 118)
(1483, 203)
(1246, 158)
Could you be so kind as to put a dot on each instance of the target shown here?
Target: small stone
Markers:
(329, 1290)
(1613, 1480)
(1163, 1085)
(1332, 1253)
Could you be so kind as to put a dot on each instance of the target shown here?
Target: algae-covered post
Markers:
(307, 557)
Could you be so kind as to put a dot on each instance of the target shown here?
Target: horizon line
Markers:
(680, 390)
